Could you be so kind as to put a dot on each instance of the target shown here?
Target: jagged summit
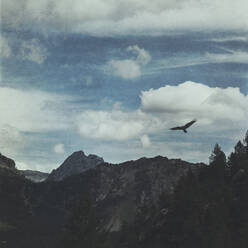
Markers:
(76, 163)
(7, 162)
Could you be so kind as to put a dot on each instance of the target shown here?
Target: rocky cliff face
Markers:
(125, 188)
(76, 163)
(7, 162)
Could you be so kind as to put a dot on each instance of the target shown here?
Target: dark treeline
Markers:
(209, 208)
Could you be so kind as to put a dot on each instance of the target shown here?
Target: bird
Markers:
(184, 127)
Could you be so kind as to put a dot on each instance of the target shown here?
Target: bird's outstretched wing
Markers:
(176, 128)
(189, 124)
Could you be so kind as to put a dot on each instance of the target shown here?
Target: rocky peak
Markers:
(7, 162)
(76, 163)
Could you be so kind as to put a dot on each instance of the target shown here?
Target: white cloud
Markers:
(31, 165)
(143, 57)
(130, 68)
(230, 39)
(5, 49)
(32, 111)
(112, 125)
(195, 100)
(22, 165)
(11, 140)
(59, 148)
(127, 69)
(145, 141)
(26, 118)
(32, 50)
(109, 17)
(230, 57)
(215, 108)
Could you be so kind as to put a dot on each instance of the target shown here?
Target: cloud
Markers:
(109, 17)
(5, 49)
(31, 165)
(126, 69)
(130, 68)
(32, 111)
(11, 140)
(145, 141)
(230, 39)
(216, 109)
(32, 50)
(230, 57)
(143, 57)
(22, 165)
(115, 124)
(195, 100)
(59, 148)
(110, 125)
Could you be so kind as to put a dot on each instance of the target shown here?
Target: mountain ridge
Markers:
(76, 163)
(143, 203)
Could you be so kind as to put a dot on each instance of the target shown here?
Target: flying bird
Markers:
(184, 127)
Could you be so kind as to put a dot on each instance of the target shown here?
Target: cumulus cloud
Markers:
(59, 148)
(196, 100)
(98, 17)
(215, 108)
(126, 69)
(27, 119)
(111, 125)
(11, 139)
(32, 50)
(145, 141)
(130, 68)
(31, 111)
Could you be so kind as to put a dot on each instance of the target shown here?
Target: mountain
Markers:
(35, 176)
(76, 163)
(37, 214)
(7, 162)
(150, 202)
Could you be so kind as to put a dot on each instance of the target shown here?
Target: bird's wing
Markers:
(189, 124)
(176, 128)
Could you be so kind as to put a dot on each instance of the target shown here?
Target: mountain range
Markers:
(119, 191)
(150, 202)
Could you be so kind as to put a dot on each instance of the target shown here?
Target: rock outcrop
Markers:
(7, 162)
(76, 163)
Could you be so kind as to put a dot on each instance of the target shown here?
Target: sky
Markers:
(111, 77)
